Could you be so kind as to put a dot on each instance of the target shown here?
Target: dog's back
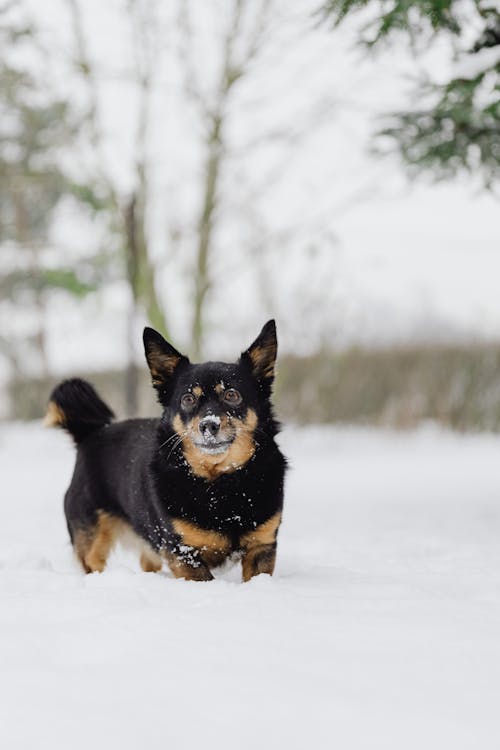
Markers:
(113, 464)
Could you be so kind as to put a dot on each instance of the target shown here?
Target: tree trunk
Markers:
(132, 258)
(205, 231)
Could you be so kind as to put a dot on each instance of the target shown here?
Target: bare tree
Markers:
(252, 45)
(127, 214)
(246, 47)
(234, 66)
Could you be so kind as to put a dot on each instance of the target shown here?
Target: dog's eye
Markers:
(232, 396)
(188, 400)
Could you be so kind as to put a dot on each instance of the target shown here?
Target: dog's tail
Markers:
(75, 406)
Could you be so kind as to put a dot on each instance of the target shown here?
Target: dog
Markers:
(201, 484)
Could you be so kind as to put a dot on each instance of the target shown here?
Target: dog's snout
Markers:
(209, 426)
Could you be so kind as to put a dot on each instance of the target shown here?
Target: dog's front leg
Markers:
(187, 563)
(259, 548)
(258, 559)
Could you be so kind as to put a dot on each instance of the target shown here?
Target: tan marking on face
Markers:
(197, 391)
(239, 452)
(179, 426)
(55, 417)
(219, 388)
(263, 534)
(193, 426)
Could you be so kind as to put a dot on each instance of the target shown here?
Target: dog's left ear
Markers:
(261, 355)
(161, 356)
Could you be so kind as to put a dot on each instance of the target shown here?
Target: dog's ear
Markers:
(161, 357)
(261, 355)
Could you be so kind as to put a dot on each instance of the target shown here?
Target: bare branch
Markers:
(257, 38)
(85, 67)
(192, 85)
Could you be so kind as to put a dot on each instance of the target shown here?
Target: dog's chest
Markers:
(228, 509)
(231, 505)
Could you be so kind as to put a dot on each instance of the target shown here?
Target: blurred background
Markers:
(204, 166)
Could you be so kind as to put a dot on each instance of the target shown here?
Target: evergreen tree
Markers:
(455, 125)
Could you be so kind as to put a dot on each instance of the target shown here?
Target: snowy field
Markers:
(380, 629)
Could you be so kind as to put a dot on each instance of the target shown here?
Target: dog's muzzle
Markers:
(211, 439)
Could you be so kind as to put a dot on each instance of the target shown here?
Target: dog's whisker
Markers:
(176, 444)
(172, 437)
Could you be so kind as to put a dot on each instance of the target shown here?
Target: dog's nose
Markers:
(209, 426)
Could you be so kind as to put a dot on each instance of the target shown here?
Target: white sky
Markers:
(353, 252)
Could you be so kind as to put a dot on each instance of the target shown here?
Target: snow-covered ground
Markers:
(380, 629)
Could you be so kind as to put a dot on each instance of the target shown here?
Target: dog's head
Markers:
(216, 409)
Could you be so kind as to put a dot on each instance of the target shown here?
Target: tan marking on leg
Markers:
(93, 545)
(151, 563)
(239, 452)
(212, 547)
(202, 539)
(54, 417)
(107, 531)
(82, 541)
(259, 548)
(265, 533)
(150, 560)
(257, 560)
(182, 569)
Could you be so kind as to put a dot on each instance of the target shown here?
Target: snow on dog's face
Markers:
(215, 407)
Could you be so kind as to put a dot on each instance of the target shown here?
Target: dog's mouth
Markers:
(217, 446)
(213, 446)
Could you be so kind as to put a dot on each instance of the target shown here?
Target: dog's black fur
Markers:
(195, 486)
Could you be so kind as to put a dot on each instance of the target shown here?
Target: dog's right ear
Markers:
(161, 357)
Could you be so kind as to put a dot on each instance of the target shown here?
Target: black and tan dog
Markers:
(193, 487)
